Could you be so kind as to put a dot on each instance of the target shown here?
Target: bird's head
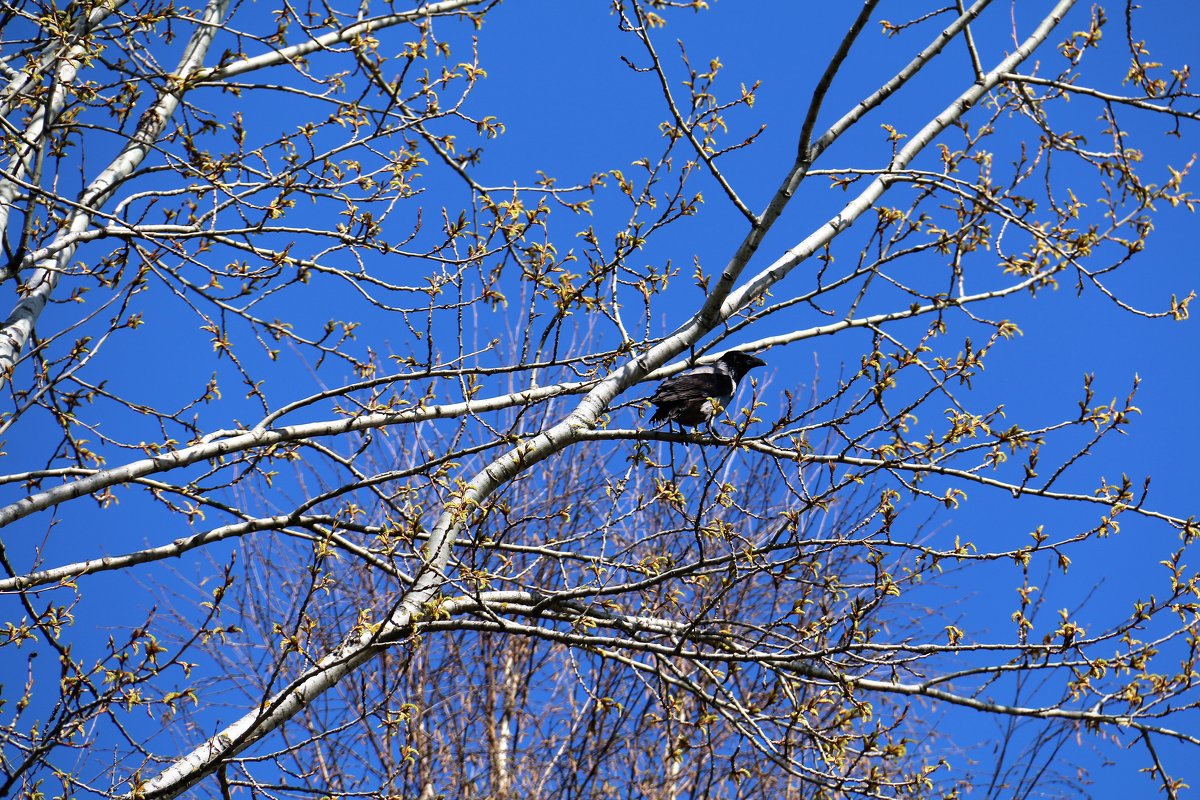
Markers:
(737, 363)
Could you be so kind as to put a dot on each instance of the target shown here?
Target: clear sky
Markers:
(572, 108)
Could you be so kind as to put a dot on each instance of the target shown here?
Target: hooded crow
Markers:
(695, 397)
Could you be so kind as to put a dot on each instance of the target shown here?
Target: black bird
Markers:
(694, 397)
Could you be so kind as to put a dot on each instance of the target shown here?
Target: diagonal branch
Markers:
(413, 606)
(19, 326)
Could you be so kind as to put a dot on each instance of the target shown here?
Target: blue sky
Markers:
(572, 108)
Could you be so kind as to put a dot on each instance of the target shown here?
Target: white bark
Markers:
(52, 52)
(20, 324)
(727, 298)
(33, 139)
(37, 290)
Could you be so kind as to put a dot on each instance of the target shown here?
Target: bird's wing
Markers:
(693, 387)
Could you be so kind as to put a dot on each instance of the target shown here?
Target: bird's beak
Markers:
(755, 361)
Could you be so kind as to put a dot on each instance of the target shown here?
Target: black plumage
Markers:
(695, 397)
